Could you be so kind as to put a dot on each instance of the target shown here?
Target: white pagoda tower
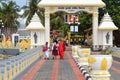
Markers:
(105, 32)
(37, 31)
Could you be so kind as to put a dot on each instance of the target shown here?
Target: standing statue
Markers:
(107, 37)
(35, 37)
(16, 40)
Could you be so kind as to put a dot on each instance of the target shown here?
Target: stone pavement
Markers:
(61, 69)
(57, 69)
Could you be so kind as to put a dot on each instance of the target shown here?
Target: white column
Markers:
(95, 26)
(111, 42)
(32, 39)
(47, 25)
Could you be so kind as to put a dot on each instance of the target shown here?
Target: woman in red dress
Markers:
(55, 50)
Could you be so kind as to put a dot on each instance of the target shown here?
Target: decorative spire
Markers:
(107, 18)
(35, 23)
(107, 23)
(35, 18)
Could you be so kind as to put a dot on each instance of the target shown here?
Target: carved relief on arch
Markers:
(52, 9)
(71, 9)
(89, 9)
(47, 14)
(95, 14)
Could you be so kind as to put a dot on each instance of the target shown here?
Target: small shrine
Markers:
(37, 31)
(105, 32)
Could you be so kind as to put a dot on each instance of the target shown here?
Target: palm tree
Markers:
(9, 15)
(1, 0)
(31, 10)
(10, 10)
(0, 13)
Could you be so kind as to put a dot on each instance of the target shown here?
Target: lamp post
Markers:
(1, 26)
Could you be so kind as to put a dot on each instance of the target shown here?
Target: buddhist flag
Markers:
(68, 18)
(65, 18)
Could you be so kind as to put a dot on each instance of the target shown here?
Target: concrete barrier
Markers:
(9, 51)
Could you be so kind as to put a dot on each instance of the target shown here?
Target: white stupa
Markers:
(105, 32)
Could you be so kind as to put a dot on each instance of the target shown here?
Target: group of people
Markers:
(58, 49)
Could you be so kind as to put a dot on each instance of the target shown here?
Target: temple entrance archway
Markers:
(72, 6)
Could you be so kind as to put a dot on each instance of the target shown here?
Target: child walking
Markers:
(46, 51)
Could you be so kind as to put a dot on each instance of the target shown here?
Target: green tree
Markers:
(31, 9)
(113, 8)
(57, 20)
(9, 13)
(85, 20)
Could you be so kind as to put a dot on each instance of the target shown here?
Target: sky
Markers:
(20, 2)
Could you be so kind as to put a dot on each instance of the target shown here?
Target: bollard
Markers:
(13, 63)
(17, 64)
(9, 68)
(3, 70)
(83, 55)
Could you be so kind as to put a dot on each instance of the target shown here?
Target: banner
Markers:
(76, 28)
(72, 28)
(71, 18)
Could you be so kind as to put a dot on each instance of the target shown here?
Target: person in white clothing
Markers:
(46, 50)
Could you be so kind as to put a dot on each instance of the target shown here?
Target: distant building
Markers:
(24, 34)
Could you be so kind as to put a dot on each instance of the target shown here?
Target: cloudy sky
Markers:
(21, 2)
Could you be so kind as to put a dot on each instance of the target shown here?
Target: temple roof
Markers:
(107, 23)
(71, 3)
(23, 32)
(35, 23)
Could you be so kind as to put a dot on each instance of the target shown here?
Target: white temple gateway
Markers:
(72, 6)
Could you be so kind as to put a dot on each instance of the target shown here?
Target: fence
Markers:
(13, 66)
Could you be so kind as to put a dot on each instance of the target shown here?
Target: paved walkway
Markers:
(61, 69)
(54, 70)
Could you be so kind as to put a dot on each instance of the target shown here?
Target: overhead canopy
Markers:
(71, 3)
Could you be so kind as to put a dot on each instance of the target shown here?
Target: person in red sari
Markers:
(61, 49)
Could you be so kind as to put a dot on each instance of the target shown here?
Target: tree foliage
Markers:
(8, 13)
(113, 8)
(57, 20)
(31, 9)
(85, 20)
